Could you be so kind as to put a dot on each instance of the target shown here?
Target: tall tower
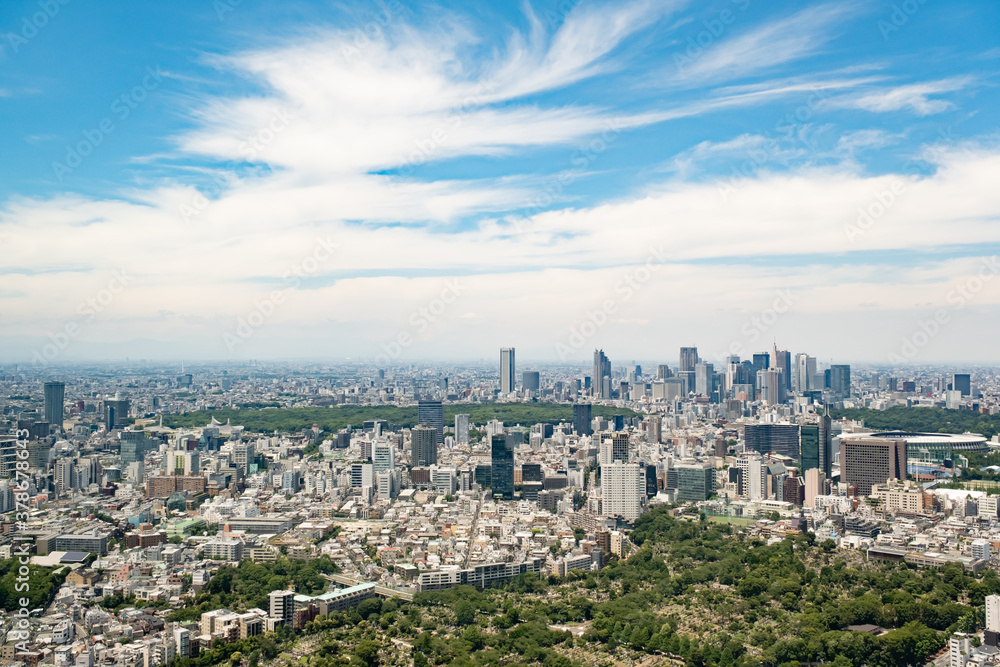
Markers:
(602, 369)
(431, 413)
(502, 454)
(55, 393)
(423, 446)
(689, 358)
(506, 370)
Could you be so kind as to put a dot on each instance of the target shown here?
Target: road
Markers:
(384, 591)
(472, 533)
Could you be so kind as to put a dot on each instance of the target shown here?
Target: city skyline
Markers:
(440, 175)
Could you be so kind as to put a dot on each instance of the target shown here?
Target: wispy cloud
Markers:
(916, 98)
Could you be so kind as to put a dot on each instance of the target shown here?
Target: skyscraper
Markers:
(502, 466)
(840, 380)
(423, 446)
(462, 429)
(870, 461)
(116, 412)
(959, 382)
(531, 380)
(779, 438)
(815, 445)
(506, 370)
(383, 456)
(805, 372)
(431, 413)
(782, 361)
(54, 401)
(602, 369)
(623, 487)
(703, 375)
(582, 419)
(688, 360)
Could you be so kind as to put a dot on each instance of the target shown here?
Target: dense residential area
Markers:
(771, 513)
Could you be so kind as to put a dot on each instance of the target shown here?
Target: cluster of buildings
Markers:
(138, 511)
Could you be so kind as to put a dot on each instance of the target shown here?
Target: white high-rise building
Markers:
(622, 490)
(383, 456)
(993, 613)
(958, 649)
(506, 370)
(753, 477)
(805, 373)
(462, 429)
(981, 549)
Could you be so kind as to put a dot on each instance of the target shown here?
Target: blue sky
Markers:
(538, 151)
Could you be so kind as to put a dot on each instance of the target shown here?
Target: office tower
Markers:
(654, 428)
(506, 370)
(502, 467)
(530, 380)
(384, 456)
(54, 401)
(688, 359)
(687, 379)
(281, 605)
(815, 445)
(385, 484)
(362, 475)
(663, 372)
(761, 362)
(623, 488)
(431, 413)
(753, 477)
(462, 429)
(792, 489)
(815, 486)
(134, 446)
(652, 488)
(778, 438)
(703, 374)
(532, 472)
(870, 461)
(602, 370)
(620, 447)
(181, 462)
(116, 412)
(840, 380)
(695, 482)
(423, 446)
(805, 373)
(582, 419)
(769, 386)
(959, 382)
(243, 456)
(781, 360)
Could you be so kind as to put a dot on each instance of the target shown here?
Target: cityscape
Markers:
(134, 487)
(470, 333)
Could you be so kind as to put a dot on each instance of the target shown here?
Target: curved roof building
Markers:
(930, 447)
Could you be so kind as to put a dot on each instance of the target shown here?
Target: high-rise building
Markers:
(815, 486)
(531, 380)
(602, 370)
(620, 447)
(582, 420)
(362, 475)
(815, 445)
(770, 388)
(462, 429)
(502, 466)
(703, 375)
(506, 370)
(753, 477)
(761, 362)
(116, 412)
(243, 456)
(55, 393)
(663, 372)
(623, 488)
(805, 374)
(695, 481)
(781, 360)
(134, 446)
(870, 461)
(431, 413)
(840, 380)
(383, 456)
(281, 605)
(993, 613)
(688, 359)
(959, 382)
(423, 446)
(779, 438)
